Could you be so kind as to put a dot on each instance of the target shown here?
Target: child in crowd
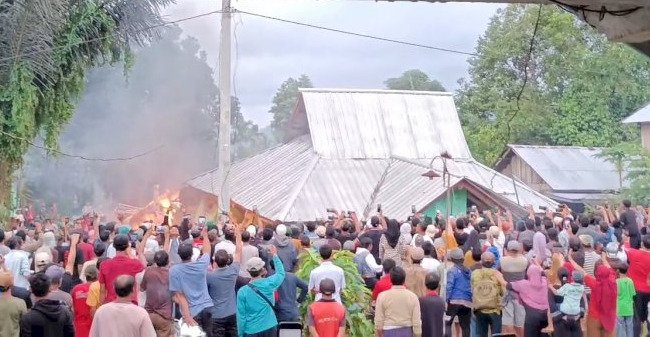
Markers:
(625, 303)
(572, 294)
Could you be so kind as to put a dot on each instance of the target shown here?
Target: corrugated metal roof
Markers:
(266, 180)
(568, 168)
(344, 184)
(383, 123)
(297, 181)
(404, 186)
(640, 116)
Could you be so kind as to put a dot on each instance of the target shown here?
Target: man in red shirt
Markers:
(639, 261)
(82, 317)
(384, 283)
(87, 249)
(124, 263)
(326, 317)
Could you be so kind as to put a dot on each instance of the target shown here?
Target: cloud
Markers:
(266, 52)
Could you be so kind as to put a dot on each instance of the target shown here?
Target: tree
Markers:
(578, 85)
(46, 47)
(284, 102)
(635, 160)
(174, 109)
(414, 79)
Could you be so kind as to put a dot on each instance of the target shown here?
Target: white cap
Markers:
(251, 230)
(281, 230)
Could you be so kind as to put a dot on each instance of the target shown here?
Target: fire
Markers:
(165, 203)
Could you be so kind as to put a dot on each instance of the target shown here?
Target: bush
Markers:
(356, 297)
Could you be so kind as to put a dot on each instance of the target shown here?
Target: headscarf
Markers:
(472, 242)
(604, 296)
(405, 231)
(393, 233)
(534, 290)
(539, 247)
(553, 276)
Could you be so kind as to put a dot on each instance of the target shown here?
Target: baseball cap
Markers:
(514, 246)
(55, 272)
(456, 254)
(281, 230)
(417, 254)
(327, 287)
(6, 280)
(251, 230)
(586, 240)
(41, 259)
(320, 231)
(254, 264)
(431, 230)
(612, 249)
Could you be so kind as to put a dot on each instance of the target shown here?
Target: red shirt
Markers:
(87, 250)
(327, 317)
(382, 285)
(117, 266)
(639, 261)
(82, 318)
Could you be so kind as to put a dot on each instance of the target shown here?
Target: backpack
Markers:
(485, 294)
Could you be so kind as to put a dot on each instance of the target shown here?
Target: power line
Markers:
(78, 156)
(358, 34)
(167, 23)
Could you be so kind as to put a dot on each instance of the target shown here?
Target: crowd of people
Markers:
(480, 274)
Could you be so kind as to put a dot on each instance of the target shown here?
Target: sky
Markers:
(267, 52)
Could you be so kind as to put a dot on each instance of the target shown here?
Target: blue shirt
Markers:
(190, 279)
(253, 313)
(221, 287)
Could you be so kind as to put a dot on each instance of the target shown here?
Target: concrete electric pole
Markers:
(224, 106)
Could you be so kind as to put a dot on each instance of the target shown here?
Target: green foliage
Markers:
(47, 48)
(414, 79)
(579, 87)
(284, 102)
(355, 296)
(635, 159)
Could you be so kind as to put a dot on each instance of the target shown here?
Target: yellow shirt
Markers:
(93, 295)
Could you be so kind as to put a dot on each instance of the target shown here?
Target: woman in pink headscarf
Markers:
(533, 293)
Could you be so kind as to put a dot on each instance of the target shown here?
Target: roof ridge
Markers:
(375, 91)
(556, 146)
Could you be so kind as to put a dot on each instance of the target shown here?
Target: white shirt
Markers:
(327, 270)
(430, 264)
(17, 262)
(426, 238)
(110, 251)
(370, 260)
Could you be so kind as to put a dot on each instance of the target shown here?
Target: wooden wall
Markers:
(526, 174)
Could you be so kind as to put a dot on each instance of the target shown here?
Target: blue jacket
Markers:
(253, 313)
(286, 308)
(459, 284)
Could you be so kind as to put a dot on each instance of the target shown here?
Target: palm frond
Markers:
(135, 18)
(28, 30)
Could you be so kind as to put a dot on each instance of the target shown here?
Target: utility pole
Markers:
(224, 106)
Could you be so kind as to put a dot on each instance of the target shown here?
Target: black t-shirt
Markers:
(629, 222)
(375, 236)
